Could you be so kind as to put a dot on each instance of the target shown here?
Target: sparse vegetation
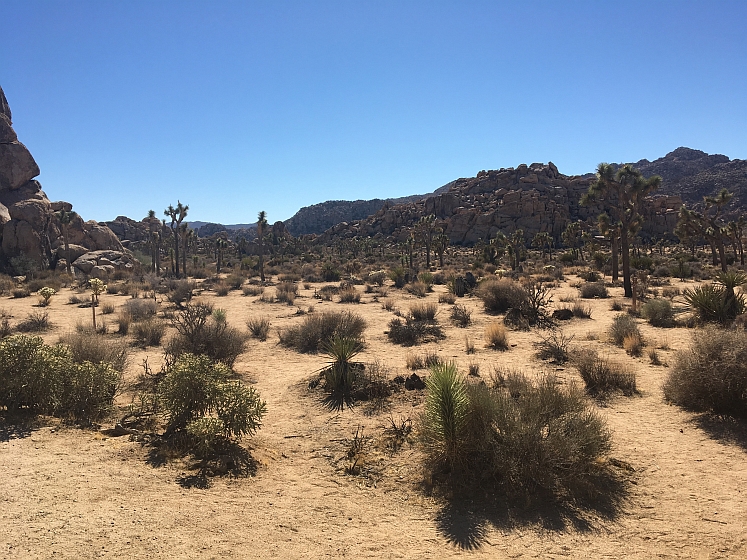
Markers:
(603, 377)
(461, 316)
(623, 325)
(259, 327)
(319, 328)
(496, 336)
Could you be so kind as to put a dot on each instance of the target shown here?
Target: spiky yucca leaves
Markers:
(717, 302)
(341, 371)
(446, 409)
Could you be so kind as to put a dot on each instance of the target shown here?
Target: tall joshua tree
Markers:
(177, 215)
(623, 192)
(65, 218)
(261, 230)
(426, 229)
(608, 229)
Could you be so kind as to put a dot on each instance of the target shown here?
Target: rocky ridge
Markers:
(29, 227)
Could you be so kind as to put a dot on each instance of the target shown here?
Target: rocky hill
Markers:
(30, 230)
(320, 217)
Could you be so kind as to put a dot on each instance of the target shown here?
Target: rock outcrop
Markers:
(29, 227)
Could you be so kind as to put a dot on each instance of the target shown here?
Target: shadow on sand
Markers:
(724, 429)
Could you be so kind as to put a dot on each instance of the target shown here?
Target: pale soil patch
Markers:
(68, 493)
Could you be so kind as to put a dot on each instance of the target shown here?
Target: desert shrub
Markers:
(341, 371)
(234, 281)
(623, 325)
(107, 308)
(140, 309)
(388, 304)
(289, 277)
(199, 398)
(124, 321)
(554, 346)
(252, 290)
(88, 346)
(616, 305)
(501, 294)
(5, 328)
(711, 374)
(524, 436)
(199, 332)
(422, 361)
(410, 332)
(591, 290)
(603, 377)
(469, 345)
(6, 284)
(377, 277)
(350, 295)
(642, 262)
(662, 272)
(496, 336)
(633, 344)
(330, 273)
(36, 321)
(446, 297)
(286, 292)
(424, 311)
(21, 293)
(398, 275)
(221, 289)
(581, 311)
(180, 291)
(45, 380)
(149, 332)
(658, 312)
(317, 329)
(75, 300)
(418, 289)
(717, 302)
(653, 357)
(670, 292)
(259, 327)
(112, 289)
(461, 316)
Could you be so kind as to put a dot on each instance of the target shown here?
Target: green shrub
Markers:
(500, 295)
(591, 290)
(318, 329)
(149, 332)
(199, 398)
(623, 325)
(717, 302)
(711, 375)
(330, 273)
(658, 312)
(603, 377)
(198, 332)
(89, 346)
(398, 275)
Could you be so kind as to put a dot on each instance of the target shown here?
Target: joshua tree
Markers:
(440, 244)
(612, 231)
(624, 192)
(572, 238)
(708, 225)
(543, 241)
(154, 240)
(425, 230)
(177, 215)
(736, 231)
(65, 218)
(186, 234)
(261, 230)
(220, 246)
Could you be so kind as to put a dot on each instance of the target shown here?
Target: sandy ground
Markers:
(70, 493)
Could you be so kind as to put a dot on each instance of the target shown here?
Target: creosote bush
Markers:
(711, 375)
(601, 376)
(520, 435)
(424, 312)
(591, 290)
(461, 316)
(318, 328)
(149, 332)
(410, 332)
(89, 346)
(658, 312)
(501, 294)
(623, 325)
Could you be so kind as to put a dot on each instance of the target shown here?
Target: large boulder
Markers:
(16, 165)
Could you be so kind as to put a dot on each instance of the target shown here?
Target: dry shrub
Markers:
(653, 357)
(107, 308)
(418, 289)
(601, 376)
(259, 327)
(469, 345)
(616, 305)
(149, 332)
(554, 346)
(36, 321)
(286, 292)
(221, 289)
(252, 290)
(319, 328)
(711, 375)
(500, 295)
(21, 293)
(350, 295)
(591, 290)
(422, 361)
(446, 297)
(410, 332)
(623, 325)
(180, 291)
(88, 346)
(461, 316)
(387, 304)
(670, 292)
(581, 311)
(424, 312)
(235, 281)
(140, 309)
(496, 336)
(633, 344)
(658, 312)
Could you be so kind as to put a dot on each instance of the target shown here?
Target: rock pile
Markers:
(29, 227)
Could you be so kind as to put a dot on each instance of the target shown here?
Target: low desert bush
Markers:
(45, 380)
(252, 290)
(319, 328)
(616, 305)
(711, 374)
(199, 332)
(89, 346)
(180, 291)
(580, 310)
(21, 293)
(36, 321)
(601, 376)
(446, 297)
(410, 332)
(424, 311)
(422, 361)
(591, 290)
(149, 332)
(633, 344)
(623, 325)
(418, 289)
(350, 295)
(259, 327)
(387, 304)
(525, 437)
(496, 336)
(500, 295)
(140, 309)
(221, 289)
(286, 292)
(554, 346)
(658, 312)
(235, 281)
(461, 316)
(107, 308)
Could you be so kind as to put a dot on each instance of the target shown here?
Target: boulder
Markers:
(102, 271)
(17, 166)
(7, 134)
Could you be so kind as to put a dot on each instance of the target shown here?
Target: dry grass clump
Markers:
(601, 376)
(149, 332)
(469, 345)
(616, 305)
(633, 344)
(140, 309)
(523, 436)
(711, 375)
(496, 336)
(580, 310)
(591, 290)
(19, 293)
(89, 346)
(623, 325)
(259, 327)
(252, 290)
(422, 361)
(319, 328)
(424, 311)
(286, 292)
(418, 289)
(410, 332)
(447, 297)
(388, 304)
(36, 321)
(461, 316)
(350, 295)
(554, 346)
(501, 294)
(221, 289)
(180, 291)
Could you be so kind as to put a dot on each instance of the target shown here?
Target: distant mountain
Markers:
(320, 217)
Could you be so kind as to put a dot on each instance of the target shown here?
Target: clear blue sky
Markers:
(236, 107)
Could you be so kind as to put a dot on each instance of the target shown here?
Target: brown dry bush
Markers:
(36, 321)
(319, 328)
(500, 295)
(286, 292)
(424, 312)
(350, 295)
(461, 316)
(591, 290)
(496, 336)
(711, 375)
(623, 325)
(149, 332)
(633, 344)
(89, 346)
(601, 376)
(259, 327)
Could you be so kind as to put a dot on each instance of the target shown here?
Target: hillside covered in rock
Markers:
(30, 229)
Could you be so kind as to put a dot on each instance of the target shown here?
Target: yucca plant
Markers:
(446, 410)
(341, 370)
(717, 302)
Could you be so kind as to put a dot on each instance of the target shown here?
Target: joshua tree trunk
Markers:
(615, 259)
(625, 246)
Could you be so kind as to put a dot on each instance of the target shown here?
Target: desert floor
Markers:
(79, 494)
